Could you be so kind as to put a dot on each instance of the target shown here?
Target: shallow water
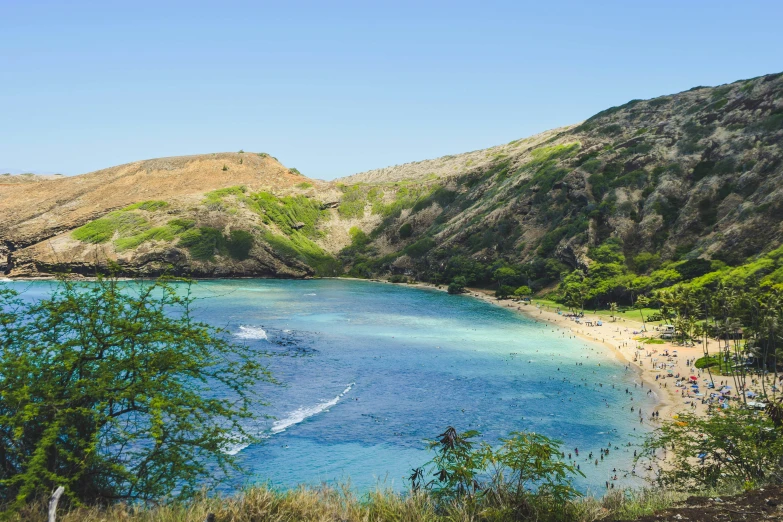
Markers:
(373, 370)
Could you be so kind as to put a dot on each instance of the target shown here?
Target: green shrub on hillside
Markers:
(203, 242)
(239, 244)
(123, 223)
(352, 203)
(420, 247)
(217, 195)
(298, 246)
(150, 206)
(289, 212)
(180, 225)
(164, 233)
(359, 239)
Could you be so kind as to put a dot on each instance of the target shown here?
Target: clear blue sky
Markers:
(334, 88)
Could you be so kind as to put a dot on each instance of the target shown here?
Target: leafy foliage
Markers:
(353, 202)
(739, 445)
(298, 246)
(120, 222)
(204, 242)
(290, 213)
(150, 206)
(457, 285)
(239, 244)
(523, 479)
(109, 389)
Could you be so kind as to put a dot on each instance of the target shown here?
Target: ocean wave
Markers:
(235, 447)
(293, 418)
(310, 294)
(300, 414)
(251, 332)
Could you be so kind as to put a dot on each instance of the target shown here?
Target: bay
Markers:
(369, 371)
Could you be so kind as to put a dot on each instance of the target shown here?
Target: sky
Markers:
(334, 88)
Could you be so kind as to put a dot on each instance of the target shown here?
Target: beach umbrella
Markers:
(694, 378)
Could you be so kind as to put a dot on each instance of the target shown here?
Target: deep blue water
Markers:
(372, 370)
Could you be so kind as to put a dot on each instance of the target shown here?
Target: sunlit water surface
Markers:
(370, 371)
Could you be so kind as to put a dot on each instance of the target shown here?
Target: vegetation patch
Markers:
(297, 246)
(353, 202)
(204, 242)
(290, 213)
(121, 222)
(149, 206)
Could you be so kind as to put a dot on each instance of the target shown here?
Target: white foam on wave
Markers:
(300, 414)
(235, 447)
(309, 294)
(251, 332)
(293, 418)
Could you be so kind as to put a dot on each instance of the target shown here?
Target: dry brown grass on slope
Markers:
(328, 504)
(454, 164)
(263, 504)
(32, 210)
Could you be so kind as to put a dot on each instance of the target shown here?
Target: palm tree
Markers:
(642, 302)
(613, 311)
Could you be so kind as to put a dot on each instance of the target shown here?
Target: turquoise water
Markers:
(372, 370)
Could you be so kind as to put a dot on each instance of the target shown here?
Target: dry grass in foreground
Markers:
(327, 504)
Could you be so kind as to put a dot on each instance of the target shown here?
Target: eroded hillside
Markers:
(40, 220)
(696, 175)
(692, 176)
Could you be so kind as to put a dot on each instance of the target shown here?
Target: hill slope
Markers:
(692, 179)
(696, 175)
(37, 217)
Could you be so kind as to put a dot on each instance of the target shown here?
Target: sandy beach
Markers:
(620, 337)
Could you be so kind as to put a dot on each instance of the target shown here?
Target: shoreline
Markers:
(618, 336)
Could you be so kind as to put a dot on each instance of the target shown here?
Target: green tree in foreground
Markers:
(109, 389)
(737, 446)
(525, 478)
(523, 291)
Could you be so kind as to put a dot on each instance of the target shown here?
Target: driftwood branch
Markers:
(53, 500)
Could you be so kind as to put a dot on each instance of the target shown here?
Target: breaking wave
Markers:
(251, 332)
(293, 418)
(300, 414)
